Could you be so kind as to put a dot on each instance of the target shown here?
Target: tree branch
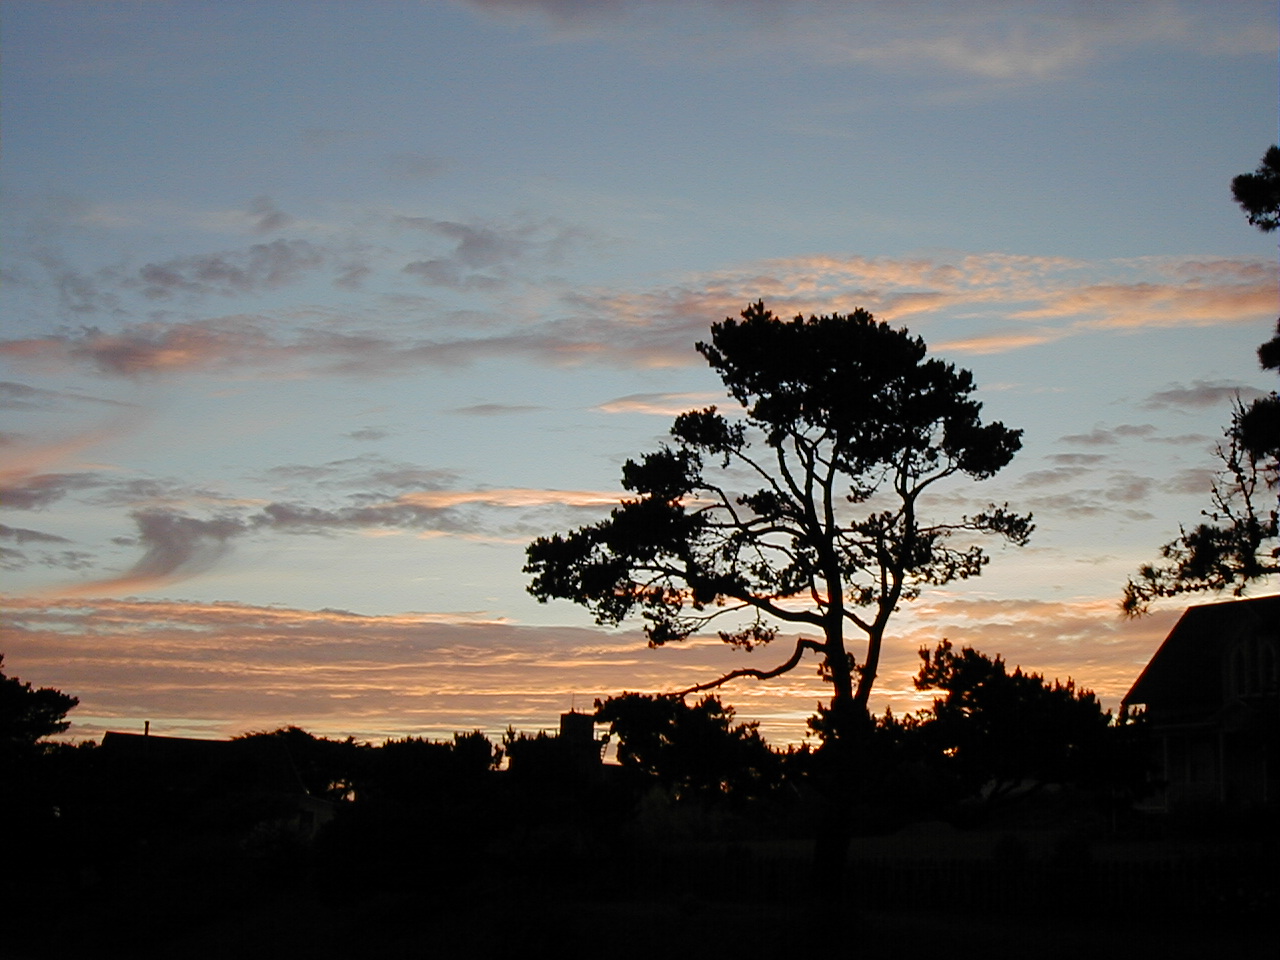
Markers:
(801, 646)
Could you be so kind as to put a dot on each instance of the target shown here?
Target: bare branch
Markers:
(801, 646)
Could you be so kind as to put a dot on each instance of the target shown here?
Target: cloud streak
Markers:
(996, 43)
(1025, 301)
(223, 668)
(177, 546)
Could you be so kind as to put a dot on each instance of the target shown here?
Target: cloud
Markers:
(999, 342)
(81, 293)
(21, 535)
(997, 43)
(1130, 306)
(415, 166)
(1119, 493)
(34, 492)
(1077, 459)
(1201, 394)
(482, 254)
(215, 669)
(264, 266)
(27, 480)
(512, 497)
(1192, 481)
(260, 215)
(19, 396)
(266, 216)
(1053, 477)
(367, 433)
(15, 560)
(492, 410)
(1103, 436)
(175, 547)
(657, 327)
(371, 476)
(660, 404)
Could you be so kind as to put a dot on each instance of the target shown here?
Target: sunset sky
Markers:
(315, 314)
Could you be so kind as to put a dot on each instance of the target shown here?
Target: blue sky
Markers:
(316, 314)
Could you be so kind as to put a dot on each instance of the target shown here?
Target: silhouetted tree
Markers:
(847, 428)
(1237, 546)
(694, 750)
(1258, 193)
(415, 768)
(328, 768)
(27, 714)
(1000, 731)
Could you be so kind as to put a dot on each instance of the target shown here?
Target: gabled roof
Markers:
(1187, 669)
(255, 763)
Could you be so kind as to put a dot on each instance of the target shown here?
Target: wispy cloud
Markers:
(511, 497)
(22, 535)
(660, 404)
(493, 409)
(20, 396)
(1053, 297)
(264, 266)
(1107, 436)
(1200, 394)
(223, 668)
(480, 254)
(998, 43)
(175, 547)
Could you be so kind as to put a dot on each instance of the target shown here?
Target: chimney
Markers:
(146, 728)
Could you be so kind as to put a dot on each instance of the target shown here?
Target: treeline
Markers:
(205, 850)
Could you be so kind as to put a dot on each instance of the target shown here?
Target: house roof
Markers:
(261, 763)
(1186, 671)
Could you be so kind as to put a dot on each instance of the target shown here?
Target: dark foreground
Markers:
(396, 885)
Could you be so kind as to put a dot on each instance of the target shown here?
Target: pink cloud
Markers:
(658, 327)
(510, 497)
(661, 404)
(223, 668)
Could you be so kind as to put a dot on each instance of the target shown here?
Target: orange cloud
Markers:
(218, 669)
(508, 497)
(657, 327)
(661, 404)
(1159, 305)
(999, 342)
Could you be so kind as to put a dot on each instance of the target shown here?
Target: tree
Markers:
(1234, 549)
(1237, 547)
(28, 715)
(1258, 193)
(693, 750)
(1003, 732)
(846, 428)
(328, 768)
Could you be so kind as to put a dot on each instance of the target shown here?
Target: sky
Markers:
(315, 315)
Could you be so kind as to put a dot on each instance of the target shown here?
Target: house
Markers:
(1212, 699)
(247, 785)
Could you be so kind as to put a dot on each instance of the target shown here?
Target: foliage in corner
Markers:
(1237, 545)
(28, 715)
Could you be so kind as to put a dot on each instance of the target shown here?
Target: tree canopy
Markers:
(1258, 193)
(28, 714)
(1003, 731)
(807, 508)
(693, 750)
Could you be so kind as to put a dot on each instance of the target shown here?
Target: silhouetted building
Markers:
(201, 779)
(1212, 697)
(575, 756)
